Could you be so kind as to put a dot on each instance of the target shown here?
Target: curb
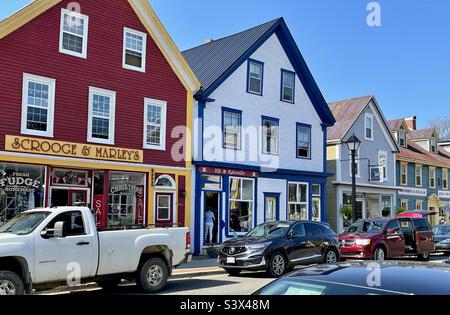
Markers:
(197, 274)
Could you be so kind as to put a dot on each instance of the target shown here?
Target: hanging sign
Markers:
(375, 174)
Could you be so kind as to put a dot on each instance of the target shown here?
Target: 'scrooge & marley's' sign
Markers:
(69, 149)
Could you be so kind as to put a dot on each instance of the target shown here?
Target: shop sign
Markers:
(227, 172)
(408, 191)
(19, 182)
(70, 149)
(125, 187)
(444, 194)
(98, 210)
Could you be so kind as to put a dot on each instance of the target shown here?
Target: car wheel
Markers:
(379, 254)
(233, 272)
(108, 284)
(277, 265)
(424, 257)
(11, 284)
(152, 276)
(330, 256)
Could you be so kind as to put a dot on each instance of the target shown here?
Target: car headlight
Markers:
(362, 242)
(258, 247)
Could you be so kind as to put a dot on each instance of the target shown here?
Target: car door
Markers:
(424, 236)
(394, 239)
(56, 258)
(297, 245)
(314, 240)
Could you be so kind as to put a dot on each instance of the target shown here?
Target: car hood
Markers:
(356, 236)
(243, 241)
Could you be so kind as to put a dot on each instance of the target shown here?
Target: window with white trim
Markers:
(404, 204)
(134, 49)
(232, 129)
(165, 182)
(73, 33)
(101, 121)
(368, 126)
(382, 162)
(404, 174)
(298, 201)
(419, 205)
(38, 105)
(432, 177)
(418, 175)
(155, 120)
(445, 178)
(270, 136)
(433, 145)
(163, 208)
(402, 138)
(241, 204)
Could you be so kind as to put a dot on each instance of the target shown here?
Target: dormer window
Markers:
(402, 138)
(433, 145)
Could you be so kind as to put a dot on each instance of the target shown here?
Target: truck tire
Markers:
(152, 276)
(11, 284)
(108, 284)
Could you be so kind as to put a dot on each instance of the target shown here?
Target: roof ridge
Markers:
(351, 99)
(235, 34)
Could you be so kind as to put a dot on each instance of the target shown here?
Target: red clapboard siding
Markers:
(34, 48)
(181, 202)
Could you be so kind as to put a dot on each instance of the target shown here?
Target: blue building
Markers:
(422, 169)
(260, 129)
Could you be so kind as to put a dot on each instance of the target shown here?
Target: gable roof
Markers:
(414, 152)
(147, 17)
(395, 125)
(214, 62)
(426, 133)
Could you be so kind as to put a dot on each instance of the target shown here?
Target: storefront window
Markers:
(126, 198)
(298, 201)
(316, 203)
(212, 182)
(386, 206)
(70, 178)
(241, 202)
(21, 189)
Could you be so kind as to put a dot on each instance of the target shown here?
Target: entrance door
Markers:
(359, 209)
(164, 210)
(211, 217)
(271, 207)
(68, 197)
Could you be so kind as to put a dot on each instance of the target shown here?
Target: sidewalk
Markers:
(199, 266)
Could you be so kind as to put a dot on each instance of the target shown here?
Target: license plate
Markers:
(231, 260)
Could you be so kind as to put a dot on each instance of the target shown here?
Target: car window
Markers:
(312, 229)
(421, 225)
(406, 225)
(326, 230)
(298, 230)
(74, 224)
(393, 225)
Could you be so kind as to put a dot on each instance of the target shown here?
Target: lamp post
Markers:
(353, 144)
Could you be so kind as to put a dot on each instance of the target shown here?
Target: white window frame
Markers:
(404, 201)
(254, 195)
(163, 106)
(173, 184)
(419, 202)
(368, 115)
(405, 165)
(433, 143)
(143, 52)
(402, 136)
(432, 170)
(358, 175)
(158, 218)
(298, 184)
(383, 170)
(83, 54)
(112, 115)
(50, 108)
(276, 149)
(445, 178)
(415, 175)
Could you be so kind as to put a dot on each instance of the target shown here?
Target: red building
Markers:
(91, 94)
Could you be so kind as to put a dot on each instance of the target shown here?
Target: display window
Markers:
(63, 177)
(298, 201)
(241, 203)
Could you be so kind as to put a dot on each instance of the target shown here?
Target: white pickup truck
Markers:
(47, 248)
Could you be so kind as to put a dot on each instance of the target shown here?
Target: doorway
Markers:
(360, 211)
(211, 218)
(271, 207)
(68, 197)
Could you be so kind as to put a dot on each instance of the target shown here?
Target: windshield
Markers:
(443, 229)
(270, 229)
(366, 227)
(24, 223)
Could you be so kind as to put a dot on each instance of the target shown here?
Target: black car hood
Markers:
(243, 241)
(441, 237)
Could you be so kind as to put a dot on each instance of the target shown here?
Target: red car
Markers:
(409, 234)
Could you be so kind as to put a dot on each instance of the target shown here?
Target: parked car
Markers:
(379, 239)
(442, 238)
(279, 246)
(360, 278)
(43, 248)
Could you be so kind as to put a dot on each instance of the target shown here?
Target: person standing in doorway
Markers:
(210, 219)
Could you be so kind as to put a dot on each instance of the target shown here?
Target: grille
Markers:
(233, 251)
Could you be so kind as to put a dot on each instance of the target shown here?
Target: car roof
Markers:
(292, 222)
(397, 276)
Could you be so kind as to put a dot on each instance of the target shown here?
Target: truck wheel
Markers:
(152, 276)
(11, 284)
(109, 284)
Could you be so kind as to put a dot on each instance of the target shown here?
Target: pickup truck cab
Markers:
(47, 248)
(383, 238)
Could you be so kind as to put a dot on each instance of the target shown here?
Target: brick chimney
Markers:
(411, 123)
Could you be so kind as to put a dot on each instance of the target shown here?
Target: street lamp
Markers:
(353, 144)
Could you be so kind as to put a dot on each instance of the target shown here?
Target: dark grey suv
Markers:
(278, 247)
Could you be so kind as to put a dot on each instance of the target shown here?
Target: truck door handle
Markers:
(82, 243)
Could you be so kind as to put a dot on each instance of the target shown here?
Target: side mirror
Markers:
(291, 235)
(57, 231)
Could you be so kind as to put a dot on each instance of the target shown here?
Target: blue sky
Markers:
(405, 63)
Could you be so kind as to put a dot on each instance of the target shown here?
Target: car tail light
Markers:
(188, 240)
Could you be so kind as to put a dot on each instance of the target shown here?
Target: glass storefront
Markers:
(298, 201)
(21, 188)
(126, 198)
(241, 202)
